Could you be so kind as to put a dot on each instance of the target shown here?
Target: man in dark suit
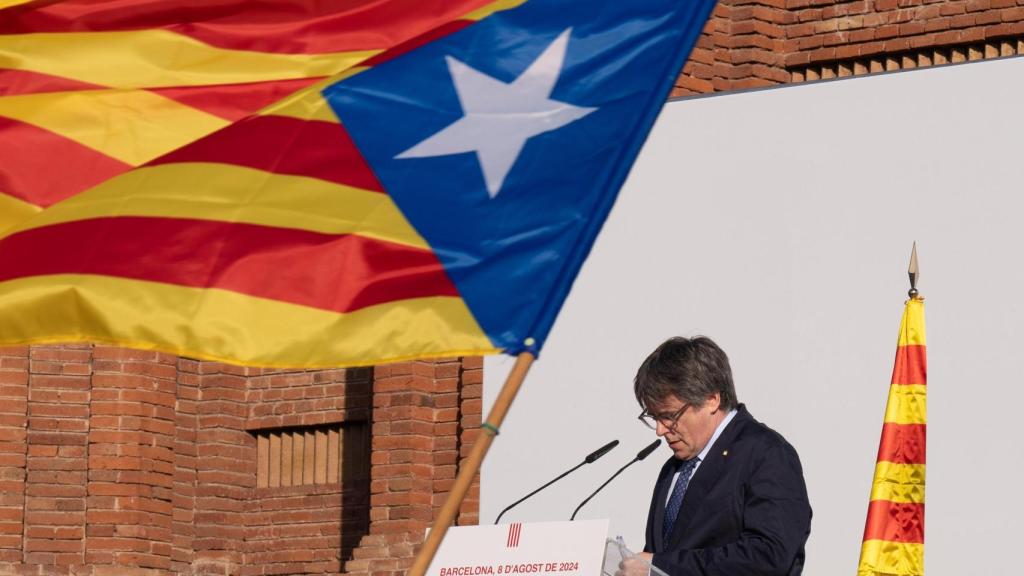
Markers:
(732, 500)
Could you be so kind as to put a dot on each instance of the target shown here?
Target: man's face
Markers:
(690, 432)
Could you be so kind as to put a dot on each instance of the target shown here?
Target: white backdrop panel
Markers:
(779, 222)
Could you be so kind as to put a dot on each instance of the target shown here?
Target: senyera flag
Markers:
(91, 88)
(894, 532)
(436, 200)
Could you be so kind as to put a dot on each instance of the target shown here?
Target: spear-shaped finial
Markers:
(913, 272)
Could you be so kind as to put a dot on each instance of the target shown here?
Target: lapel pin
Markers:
(725, 452)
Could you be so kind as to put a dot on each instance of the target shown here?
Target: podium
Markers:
(533, 548)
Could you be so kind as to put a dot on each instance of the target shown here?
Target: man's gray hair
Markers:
(689, 368)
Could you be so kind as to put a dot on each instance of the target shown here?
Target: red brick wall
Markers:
(422, 417)
(130, 458)
(56, 465)
(471, 397)
(741, 47)
(14, 363)
(752, 43)
(225, 470)
(125, 462)
(183, 495)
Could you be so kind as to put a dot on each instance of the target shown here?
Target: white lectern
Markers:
(534, 548)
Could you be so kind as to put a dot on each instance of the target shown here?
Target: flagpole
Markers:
(468, 470)
(913, 271)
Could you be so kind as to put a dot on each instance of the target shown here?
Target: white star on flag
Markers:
(498, 117)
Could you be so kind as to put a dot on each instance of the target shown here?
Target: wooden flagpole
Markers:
(489, 429)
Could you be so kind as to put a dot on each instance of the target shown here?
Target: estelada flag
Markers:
(91, 88)
(894, 532)
(436, 200)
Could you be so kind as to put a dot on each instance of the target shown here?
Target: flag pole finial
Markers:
(913, 272)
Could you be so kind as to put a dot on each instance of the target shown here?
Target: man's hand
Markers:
(636, 565)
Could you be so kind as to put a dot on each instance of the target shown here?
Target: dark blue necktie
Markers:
(675, 502)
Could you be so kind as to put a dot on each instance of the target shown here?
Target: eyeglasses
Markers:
(667, 420)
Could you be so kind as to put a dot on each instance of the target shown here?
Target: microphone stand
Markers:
(643, 454)
(574, 512)
(589, 459)
(562, 475)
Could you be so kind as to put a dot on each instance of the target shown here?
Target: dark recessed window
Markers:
(311, 454)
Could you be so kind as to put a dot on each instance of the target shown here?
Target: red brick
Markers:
(59, 382)
(1013, 14)
(14, 351)
(922, 41)
(122, 354)
(47, 545)
(897, 45)
(911, 29)
(953, 8)
(60, 354)
(989, 17)
(937, 24)
(10, 378)
(962, 21)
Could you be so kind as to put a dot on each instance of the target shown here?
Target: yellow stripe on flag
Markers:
(256, 331)
(907, 404)
(9, 3)
(903, 483)
(133, 126)
(308, 103)
(883, 558)
(912, 324)
(160, 58)
(481, 13)
(14, 211)
(228, 193)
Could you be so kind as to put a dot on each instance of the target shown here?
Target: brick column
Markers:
(471, 382)
(14, 364)
(225, 465)
(183, 498)
(756, 45)
(698, 72)
(58, 426)
(131, 460)
(743, 45)
(414, 459)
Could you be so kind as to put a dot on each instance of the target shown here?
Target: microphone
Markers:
(647, 450)
(592, 457)
(640, 456)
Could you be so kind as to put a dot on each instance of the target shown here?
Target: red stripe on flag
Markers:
(895, 522)
(332, 272)
(911, 365)
(282, 26)
(902, 443)
(421, 40)
(283, 145)
(14, 82)
(234, 101)
(29, 155)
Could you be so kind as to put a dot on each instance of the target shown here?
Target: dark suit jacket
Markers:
(745, 511)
